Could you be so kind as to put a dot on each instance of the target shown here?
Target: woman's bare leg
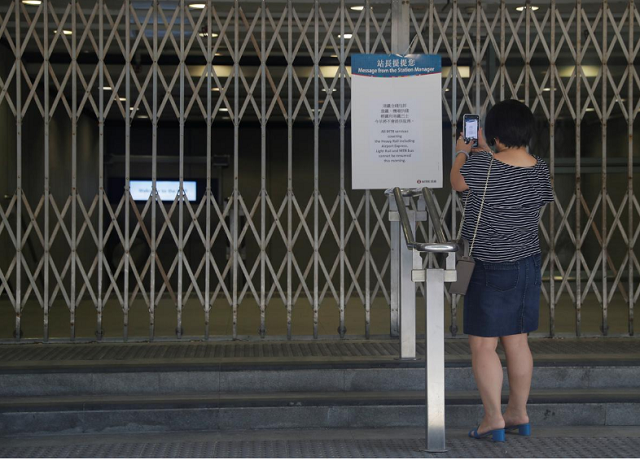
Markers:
(520, 370)
(487, 371)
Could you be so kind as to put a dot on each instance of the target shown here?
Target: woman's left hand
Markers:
(462, 146)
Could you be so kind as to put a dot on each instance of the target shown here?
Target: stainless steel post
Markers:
(407, 259)
(434, 352)
(395, 269)
(400, 25)
(407, 294)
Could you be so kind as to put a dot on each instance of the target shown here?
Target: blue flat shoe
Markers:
(524, 429)
(495, 435)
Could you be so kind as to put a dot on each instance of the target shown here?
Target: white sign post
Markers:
(396, 122)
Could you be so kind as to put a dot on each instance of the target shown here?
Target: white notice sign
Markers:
(396, 124)
(396, 136)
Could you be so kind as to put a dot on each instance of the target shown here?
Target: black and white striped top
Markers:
(508, 228)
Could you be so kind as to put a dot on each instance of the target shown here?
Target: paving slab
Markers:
(239, 354)
(576, 442)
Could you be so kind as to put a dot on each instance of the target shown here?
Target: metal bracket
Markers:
(418, 276)
(421, 216)
(450, 276)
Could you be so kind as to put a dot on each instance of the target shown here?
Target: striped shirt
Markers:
(508, 228)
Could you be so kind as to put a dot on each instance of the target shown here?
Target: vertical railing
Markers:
(552, 149)
(578, 178)
(236, 133)
(263, 166)
(290, 195)
(342, 57)
(316, 164)
(47, 189)
(208, 194)
(631, 114)
(367, 203)
(74, 163)
(604, 109)
(19, 193)
(455, 299)
(154, 175)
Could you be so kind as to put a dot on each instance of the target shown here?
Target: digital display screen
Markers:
(167, 189)
(471, 128)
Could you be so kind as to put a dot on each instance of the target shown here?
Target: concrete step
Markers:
(227, 411)
(99, 388)
(283, 377)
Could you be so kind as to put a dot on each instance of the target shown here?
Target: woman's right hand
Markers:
(482, 143)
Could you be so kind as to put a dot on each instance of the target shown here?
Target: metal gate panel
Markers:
(285, 63)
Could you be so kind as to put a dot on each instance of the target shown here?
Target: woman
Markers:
(502, 301)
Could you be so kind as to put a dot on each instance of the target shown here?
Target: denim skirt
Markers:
(503, 298)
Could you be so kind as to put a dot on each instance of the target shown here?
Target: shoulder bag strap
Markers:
(464, 212)
(481, 206)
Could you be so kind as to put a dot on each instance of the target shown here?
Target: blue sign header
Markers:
(395, 65)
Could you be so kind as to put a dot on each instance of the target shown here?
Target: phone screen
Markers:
(471, 128)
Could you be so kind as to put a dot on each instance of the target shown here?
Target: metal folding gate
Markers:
(118, 66)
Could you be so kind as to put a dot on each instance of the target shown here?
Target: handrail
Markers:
(433, 214)
(440, 247)
(404, 218)
(405, 192)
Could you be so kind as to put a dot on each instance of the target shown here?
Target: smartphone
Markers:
(470, 124)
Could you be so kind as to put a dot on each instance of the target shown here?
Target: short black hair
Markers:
(511, 122)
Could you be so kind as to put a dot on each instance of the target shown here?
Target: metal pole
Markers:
(399, 43)
(503, 57)
(101, 197)
(434, 350)
(181, 195)
(395, 270)
(236, 133)
(207, 270)
(454, 126)
(400, 24)
(127, 174)
(604, 203)
(316, 173)
(18, 64)
(431, 27)
(74, 164)
(289, 167)
(154, 176)
(263, 168)
(552, 155)
(527, 53)
(630, 120)
(342, 190)
(578, 230)
(408, 292)
(47, 194)
(367, 215)
(478, 58)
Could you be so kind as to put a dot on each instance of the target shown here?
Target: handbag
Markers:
(464, 261)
